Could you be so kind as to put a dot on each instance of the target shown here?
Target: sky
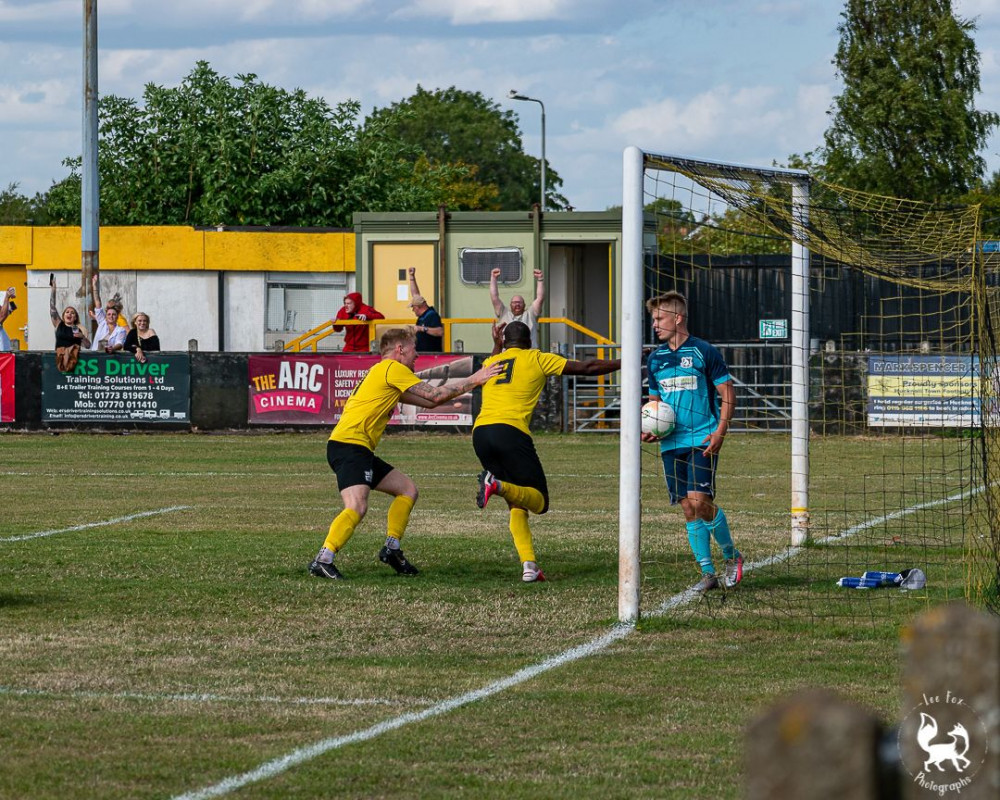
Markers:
(745, 81)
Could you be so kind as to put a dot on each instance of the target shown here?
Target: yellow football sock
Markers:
(399, 516)
(522, 497)
(522, 533)
(341, 529)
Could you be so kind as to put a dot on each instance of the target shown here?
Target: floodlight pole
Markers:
(89, 186)
(513, 95)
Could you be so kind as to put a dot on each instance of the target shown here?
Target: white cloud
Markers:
(693, 77)
(479, 12)
(38, 12)
(720, 113)
(37, 103)
(984, 9)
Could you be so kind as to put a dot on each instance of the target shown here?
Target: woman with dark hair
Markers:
(70, 334)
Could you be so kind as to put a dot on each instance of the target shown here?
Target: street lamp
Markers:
(513, 95)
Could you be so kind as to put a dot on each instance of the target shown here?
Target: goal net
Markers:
(859, 332)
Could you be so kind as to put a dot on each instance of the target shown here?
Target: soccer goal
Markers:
(863, 325)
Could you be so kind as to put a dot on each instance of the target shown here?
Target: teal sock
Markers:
(701, 544)
(720, 530)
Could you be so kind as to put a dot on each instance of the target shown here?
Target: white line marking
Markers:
(210, 698)
(897, 514)
(271, 768)
(233, 474)
(154, 474)
(100, 524)
(278, 765)
(794, 550)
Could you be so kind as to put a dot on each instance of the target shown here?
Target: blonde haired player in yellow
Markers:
(351, 449)
(501, 436)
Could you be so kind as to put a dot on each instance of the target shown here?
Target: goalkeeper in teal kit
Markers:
(691, 376)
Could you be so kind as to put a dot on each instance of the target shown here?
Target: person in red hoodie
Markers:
(356, 338)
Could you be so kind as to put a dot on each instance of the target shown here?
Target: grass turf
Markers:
(164, 653)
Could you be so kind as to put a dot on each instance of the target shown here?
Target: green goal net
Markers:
(859, 331)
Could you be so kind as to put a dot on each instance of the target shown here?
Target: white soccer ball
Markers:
(657, 418)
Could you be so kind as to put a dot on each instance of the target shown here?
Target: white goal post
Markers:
(635, 163)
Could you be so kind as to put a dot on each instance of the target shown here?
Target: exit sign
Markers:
(774, 329)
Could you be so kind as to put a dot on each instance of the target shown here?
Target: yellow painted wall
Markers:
(48, 249)
(152, 248)
(57, 249)
(15, 245)
(279, 252)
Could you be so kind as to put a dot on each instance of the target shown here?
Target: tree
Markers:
(729, 232)
(734, 232)
(905, 124)
(986, 194)
(15, 208)
(18, 209)
(211, 152)
(674, 224)
(451, 126)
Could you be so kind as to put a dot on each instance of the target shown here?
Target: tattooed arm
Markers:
(427, 396)
(52, 303)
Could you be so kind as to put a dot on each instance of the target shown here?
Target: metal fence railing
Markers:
(761, 375)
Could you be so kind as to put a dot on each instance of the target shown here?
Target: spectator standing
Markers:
(518, 310)
(430, 329)
(141, 339)
(356, 338)
(351, 449)
(692, 377)
(6, 306)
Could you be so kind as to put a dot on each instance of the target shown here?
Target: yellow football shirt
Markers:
(511, 396)
(369, 407)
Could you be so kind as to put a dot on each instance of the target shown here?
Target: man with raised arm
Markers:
(518, 311)
(351, 449)
(429, 328)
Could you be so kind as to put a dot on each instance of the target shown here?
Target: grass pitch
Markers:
(162, 655)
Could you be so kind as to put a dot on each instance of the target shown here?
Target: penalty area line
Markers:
(99, 524)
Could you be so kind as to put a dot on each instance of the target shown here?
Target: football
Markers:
(657, 418)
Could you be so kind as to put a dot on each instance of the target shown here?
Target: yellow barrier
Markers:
(311, 339)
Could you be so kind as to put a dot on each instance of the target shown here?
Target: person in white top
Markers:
(519, 311)
(110, 336)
